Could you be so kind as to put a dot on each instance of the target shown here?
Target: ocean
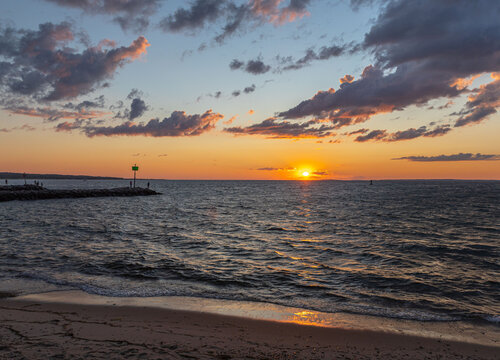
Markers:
(418, 250)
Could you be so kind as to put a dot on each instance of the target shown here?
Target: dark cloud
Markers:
(54, 114)
(255, 67)
(271, 128)
(134, 93)
(249, 89)
(97, 103)
(454, 157)
(372, 135)
(236, 64)
(43, 67)
(68, 126)
(324, 53)
(383, 135)
(236, 16)
(475, 116)
(355, 132)
(246, 90)
(424, 50)
(177, 124)
(483, 104)
(129, 14)
(137, 108)
(200, 13)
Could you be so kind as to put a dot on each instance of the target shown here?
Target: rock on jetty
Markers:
(34, 192)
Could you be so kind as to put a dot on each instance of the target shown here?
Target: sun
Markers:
(305, 173)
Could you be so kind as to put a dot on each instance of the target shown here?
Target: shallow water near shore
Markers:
(414, 250)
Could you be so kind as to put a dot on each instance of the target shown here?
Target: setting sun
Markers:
(305, 174)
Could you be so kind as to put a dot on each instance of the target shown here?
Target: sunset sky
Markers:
(251, 89)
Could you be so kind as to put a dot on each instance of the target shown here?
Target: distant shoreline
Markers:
(13, 176)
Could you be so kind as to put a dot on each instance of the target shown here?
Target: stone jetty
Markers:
(34, 192)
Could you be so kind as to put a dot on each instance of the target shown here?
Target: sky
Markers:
(251, 89)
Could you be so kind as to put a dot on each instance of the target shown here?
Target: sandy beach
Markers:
(43, 326)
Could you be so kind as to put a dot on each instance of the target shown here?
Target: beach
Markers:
(64, 325)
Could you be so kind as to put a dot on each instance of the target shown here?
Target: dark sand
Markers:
(43, 327)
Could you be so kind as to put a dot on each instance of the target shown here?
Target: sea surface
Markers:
(421, 250)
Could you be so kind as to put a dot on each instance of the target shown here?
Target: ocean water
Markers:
(421, 250)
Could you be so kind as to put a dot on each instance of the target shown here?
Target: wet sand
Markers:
(76, 325)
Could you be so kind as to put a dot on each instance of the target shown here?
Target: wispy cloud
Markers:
(273, 129)
(236, 17)
(453, 157)
(129, 14)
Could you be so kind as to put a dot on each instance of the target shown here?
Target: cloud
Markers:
(273, 129)
(129, 14)
(276, 169)
(54, 114)
(271, 12)
(236, 64)
(324, 53)
(237, 17)
(454, 157)
(177, 124)
(231, 120)
(201, 12)
(97, 103)
(44, 68)
(134, 93)
(137, 108)
(68, 126)
(372, 135)
(347, 79)
(246, 90)
(251, 112)
(249, 89)
(482, 104)
(417, 61)
(254, 67)
(408, 134)
(359, 131)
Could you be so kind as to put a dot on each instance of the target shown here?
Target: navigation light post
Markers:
(135, 168)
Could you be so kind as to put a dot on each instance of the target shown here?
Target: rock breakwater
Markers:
(34, 192)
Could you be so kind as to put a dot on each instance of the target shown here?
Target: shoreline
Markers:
(180, 327)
